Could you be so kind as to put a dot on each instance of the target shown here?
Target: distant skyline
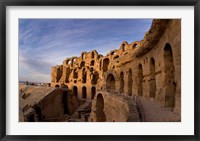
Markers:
(44, 43)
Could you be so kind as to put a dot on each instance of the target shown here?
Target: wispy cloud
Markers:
(44, 43)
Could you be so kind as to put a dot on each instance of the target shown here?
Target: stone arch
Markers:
(94, 77)
(152, 82)
(121, 89)
(84, 75)
(140, 80)
(134, 46)
(123, 47)
(110, 83)
(57, 86)
(115, 57)
(65, 102)
(100, 115)
(113, 53)
(130, 82)
(100, 64)
(106, 62)
(93, 92)
(73, 61)
(84, 92)
(83, 56)
(68, 62)
(92, 55)
(75, 73)
(82, 64)
(170, 85)
(75, 91)
(92, 63)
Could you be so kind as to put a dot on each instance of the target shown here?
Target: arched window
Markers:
(115, 57)
(83, 56)
(100, 116)
(75, 91)
(110, 83)
(92, 63)
(121, 82)
(93, 92)
(140, 80)
(75, 74)
(92, 55)
(152, 82)
(105, 64)
(82, 64)
(123, 47)
(130, 82)
(170, 85)
(84, 92)
(84, 76)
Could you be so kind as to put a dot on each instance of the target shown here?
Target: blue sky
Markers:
(44, 43)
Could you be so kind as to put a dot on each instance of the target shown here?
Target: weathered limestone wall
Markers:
(58, 104)
(153, 74)
(81, 72)
(112, 107)
(51, 107)
(39, 103)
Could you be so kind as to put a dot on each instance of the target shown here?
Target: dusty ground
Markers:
(154, 113)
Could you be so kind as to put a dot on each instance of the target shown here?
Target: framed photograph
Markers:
(99, 70)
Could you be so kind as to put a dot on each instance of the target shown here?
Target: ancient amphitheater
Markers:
(140, 81)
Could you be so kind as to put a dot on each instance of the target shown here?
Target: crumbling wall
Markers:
(111, 107)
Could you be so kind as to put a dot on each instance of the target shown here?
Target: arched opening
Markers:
(121, 89)
(92, 55)
(130, 82)
(92, 63)
(84, 76)
(123, 47)
(75, 74)
(94, 77)
(75, 91)
(152, 81)
(170, 85)
(93, 92)
(73, 61)
(83, 56)
(140, 80)
(57, 86)
(101, 117)
(113, 53)
(115, 57)
(134, 46)
(65, 103)
(100, 65)
(82, 64)
(105, 64)
(110, 83)
(68, 62)
(84, 92)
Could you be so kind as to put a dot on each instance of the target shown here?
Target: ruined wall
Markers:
(150, 68)
(80, 74)
(39, 103)
(111, 107)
